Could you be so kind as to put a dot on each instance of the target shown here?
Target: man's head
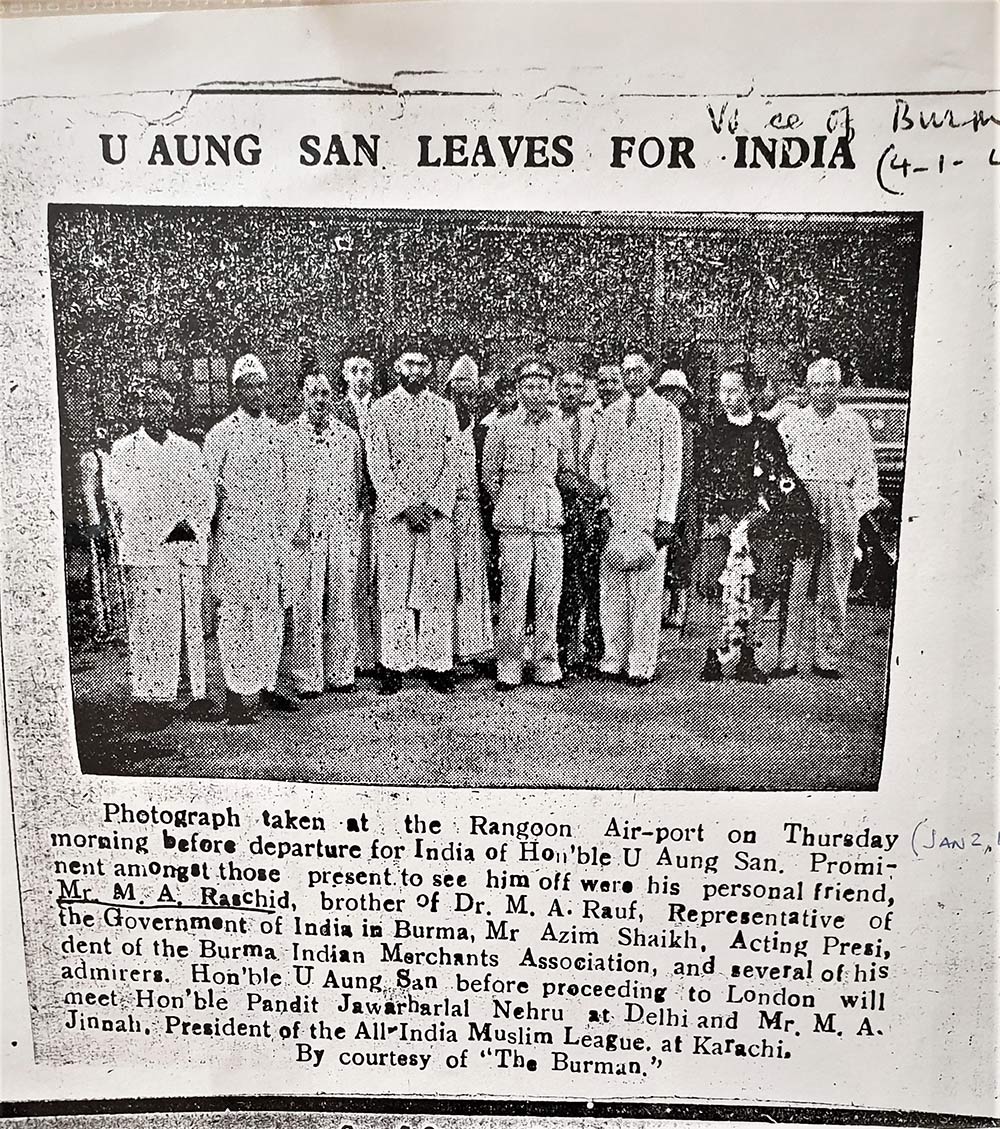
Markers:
(414, 365)
(637, 371)
(249, 382)
(569, 387)
(158, 404)
(673, 386)
(506, 393)
(534, 383)
(734, 393)
(609, 384)
(823, 379)
(464, 379)
(359, 375)
(317, 395)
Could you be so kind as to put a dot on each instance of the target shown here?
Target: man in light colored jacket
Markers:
(521, 461)
(323, 472)
(830, 448)
(412, 449)
(161, 500)
(637, 462)
(244, 461)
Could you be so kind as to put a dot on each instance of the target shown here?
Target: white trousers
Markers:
(836, 563)
(165, 613)
(519, 554)
(324, 632)
(251, 630)
(416, 595)
(631, 612)
(836, 511)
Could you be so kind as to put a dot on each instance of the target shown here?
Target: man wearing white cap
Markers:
(162, 500)
(323, 468)
(412, 447)
(244, 460)
(637, 462)
(831, 450)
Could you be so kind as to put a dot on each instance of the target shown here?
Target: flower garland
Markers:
(735, 581)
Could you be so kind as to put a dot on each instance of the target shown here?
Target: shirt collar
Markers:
(145, 437)
(740, 421)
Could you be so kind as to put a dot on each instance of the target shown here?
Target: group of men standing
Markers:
(372, 520)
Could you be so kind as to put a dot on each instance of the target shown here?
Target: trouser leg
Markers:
(365, 602)
(647, 606)
(570, 605)
(548, 554)
(155, 633)
(395, 564)
(614, 619)
(790, 630)
(516, 554)
(340, 635)
(833, 585)
(307, 582)
(192, 594)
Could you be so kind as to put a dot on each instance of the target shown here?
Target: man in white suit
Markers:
(637, 462)
(830, 448)
(413, 461)
(162, 502)
(323, 472)
(244, 461)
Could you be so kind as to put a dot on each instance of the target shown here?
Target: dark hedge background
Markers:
(188, 289)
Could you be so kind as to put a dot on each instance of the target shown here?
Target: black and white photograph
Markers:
(483, 499)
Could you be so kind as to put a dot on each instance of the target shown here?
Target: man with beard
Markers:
(323, 470)
(243, 457)
(412, 449)
(161, 497)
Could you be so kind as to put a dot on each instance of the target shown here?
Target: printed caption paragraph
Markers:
(606, 949)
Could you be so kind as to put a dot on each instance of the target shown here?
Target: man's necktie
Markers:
(630, 414)
(575, 433)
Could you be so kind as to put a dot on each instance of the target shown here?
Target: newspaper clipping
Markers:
(499, 565)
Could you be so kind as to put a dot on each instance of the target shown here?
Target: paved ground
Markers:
(803, 733)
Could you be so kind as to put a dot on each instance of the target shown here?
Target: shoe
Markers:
(502, 687)
(746, 669)
(203, 709)
(151, 717)
(784, 672)
(826, 671)
(390, 681)
(552, 682)
(308, 695)
(712, 670)
(443, 681)
(345, 688)
(238, 710)
(277, 702)
(639, 679)
(609, 675)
